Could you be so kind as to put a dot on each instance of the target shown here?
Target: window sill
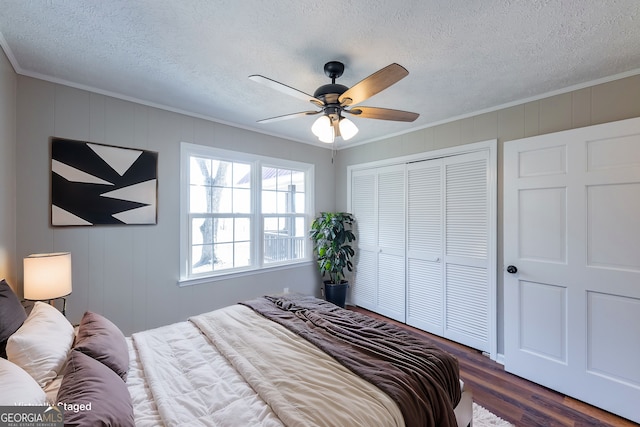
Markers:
(232, 275)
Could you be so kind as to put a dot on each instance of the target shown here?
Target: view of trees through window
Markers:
(223, 219)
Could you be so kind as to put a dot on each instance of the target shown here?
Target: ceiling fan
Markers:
(334, 99)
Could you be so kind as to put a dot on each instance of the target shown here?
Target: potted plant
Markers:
(332, 236)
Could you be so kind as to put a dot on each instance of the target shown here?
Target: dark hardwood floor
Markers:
(512, 398)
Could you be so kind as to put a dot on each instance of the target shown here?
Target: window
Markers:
(242, 212)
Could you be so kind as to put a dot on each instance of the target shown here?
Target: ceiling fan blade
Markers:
(289, 116)
(376, 82)
(286, 89)
(383, 114)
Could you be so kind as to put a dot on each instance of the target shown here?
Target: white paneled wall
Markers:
(130, 273)
(8, 81)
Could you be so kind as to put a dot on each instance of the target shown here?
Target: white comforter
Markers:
(232, 367)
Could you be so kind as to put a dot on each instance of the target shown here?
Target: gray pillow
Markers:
(88, 382)
(99, 338)
(12, 315)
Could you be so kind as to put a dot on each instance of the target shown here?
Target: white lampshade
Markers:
(348, 129)
(47, 276)
(329, 136)
(319, 126)
(323, 129)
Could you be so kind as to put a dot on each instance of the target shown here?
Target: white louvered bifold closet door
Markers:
(466, 256)
(425, 287)
(391, 242)
(426, 245)
(364, 289)
(378, 204)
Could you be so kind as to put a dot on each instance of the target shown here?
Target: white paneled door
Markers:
(572, 263)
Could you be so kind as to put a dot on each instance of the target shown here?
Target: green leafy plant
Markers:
(331, 234)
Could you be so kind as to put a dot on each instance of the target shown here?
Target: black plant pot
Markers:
(336, 293)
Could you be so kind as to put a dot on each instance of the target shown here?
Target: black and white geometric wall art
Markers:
(97, 184)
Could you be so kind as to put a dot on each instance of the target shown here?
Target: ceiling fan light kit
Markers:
(335, 99)
(323, 129)
(348, 129)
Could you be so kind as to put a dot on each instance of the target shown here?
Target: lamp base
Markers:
(64, 306)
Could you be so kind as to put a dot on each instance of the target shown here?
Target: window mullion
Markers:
(256, 209)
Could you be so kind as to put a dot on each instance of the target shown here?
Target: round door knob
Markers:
(512, 269)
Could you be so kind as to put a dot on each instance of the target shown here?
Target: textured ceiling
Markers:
(194, 56)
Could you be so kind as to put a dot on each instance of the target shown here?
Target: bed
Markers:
(288, 360)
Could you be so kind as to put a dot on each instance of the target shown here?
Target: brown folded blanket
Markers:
(422, 379)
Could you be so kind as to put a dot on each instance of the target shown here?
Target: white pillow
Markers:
(18, 388)
(41, 345)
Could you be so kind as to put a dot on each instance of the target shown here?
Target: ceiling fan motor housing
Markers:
(333, 112)
(330, 89)
(329, 93)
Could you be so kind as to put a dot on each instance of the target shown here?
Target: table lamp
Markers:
(48, 277)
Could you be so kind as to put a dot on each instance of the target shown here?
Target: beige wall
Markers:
(616, 100)
(8, 81)
(130, 273)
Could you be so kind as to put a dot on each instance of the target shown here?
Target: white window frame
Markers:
(257, 162)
